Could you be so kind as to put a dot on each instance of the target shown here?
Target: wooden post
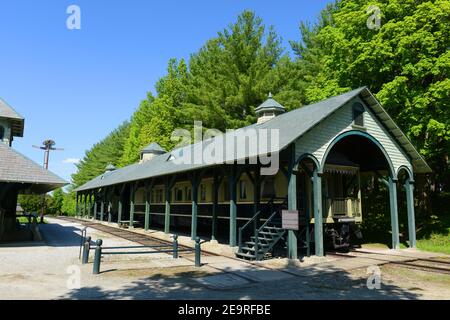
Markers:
(168, 188)
(77, 205)
(102, 206)
(95, 204)
(292, 204)
(409, 187)
(90, 204)
(216, 185)
(119, 211)
(132, 200)
(110, 195)
(233, 207)
(120, 205)
(195, 181)
(318, 219)
(148, 190)
(394, 213)
(85, 204)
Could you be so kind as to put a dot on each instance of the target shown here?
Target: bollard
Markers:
(175, 246)
(97, 256)
(197, 252)
(86, 249)
(83, 240)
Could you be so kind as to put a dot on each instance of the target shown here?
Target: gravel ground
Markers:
(43, 271)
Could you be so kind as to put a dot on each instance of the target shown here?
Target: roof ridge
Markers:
(7, 105)
(47, 172)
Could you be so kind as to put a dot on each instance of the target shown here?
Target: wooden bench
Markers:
(126, 223)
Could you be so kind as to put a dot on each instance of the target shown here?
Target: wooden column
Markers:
(394, 213)
(110, 196)
(292, 204)
(95, 204)
(85, 204)
(132, 201)
(77, 205)
(216, 185)
(195, 182)
(90, 205)
(102, 205)
(409, 188)
(318, 219)
(233, 207)
(120, 205)
(168, 188)
(148, 194)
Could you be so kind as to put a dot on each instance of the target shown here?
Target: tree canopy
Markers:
(405, 62)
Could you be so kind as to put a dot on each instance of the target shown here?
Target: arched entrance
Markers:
(334, 193)
(355, 153)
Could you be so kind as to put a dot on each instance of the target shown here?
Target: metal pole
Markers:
(175, 246)
(197, 252)
(83, 239)
(97, 256)
(86, 249)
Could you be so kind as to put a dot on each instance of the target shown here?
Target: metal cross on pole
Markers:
(48, 145)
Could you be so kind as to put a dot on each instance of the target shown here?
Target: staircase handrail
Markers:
(253, 219)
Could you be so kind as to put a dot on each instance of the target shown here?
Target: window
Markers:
(2, 132)
(358, 114)
(188, 193)
(242, 190)
(226, 191)
(202, 192)
(158, 196)
(268, 188)
(178, 194)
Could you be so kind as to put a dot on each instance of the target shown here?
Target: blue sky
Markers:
(75, 86)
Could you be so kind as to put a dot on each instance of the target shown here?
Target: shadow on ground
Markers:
(308, 283)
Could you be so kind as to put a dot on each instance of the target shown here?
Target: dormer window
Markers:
(358, 114)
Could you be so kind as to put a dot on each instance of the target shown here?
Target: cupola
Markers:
(110, 168)
(269, 109)
(149, 152)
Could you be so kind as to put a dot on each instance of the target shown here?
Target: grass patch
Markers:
(435, 243)
(24, 220)
(434, 235)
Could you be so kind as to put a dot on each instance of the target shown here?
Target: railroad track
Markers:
(143, 239)
(422, 264)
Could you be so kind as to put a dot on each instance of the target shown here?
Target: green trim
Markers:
(408, 171)
(362, 134)
(233, 207)
(318, 218)
(292, 204)
(409, 187)
(394, 213)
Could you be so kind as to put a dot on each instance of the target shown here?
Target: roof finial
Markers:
(270, 95)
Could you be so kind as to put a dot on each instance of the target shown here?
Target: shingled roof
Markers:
(16, 168)
(291, 126)
(18, 122)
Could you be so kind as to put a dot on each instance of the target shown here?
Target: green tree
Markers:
(109, 150)
(405, 63)
(232, 73)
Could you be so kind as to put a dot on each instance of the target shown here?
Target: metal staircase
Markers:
(263, 238)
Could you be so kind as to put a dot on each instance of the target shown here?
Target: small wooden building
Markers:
(18, 174)
(321, 150)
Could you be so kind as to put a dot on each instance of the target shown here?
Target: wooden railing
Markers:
(343, 207)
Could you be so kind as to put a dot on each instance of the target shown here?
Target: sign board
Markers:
(289, 219)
